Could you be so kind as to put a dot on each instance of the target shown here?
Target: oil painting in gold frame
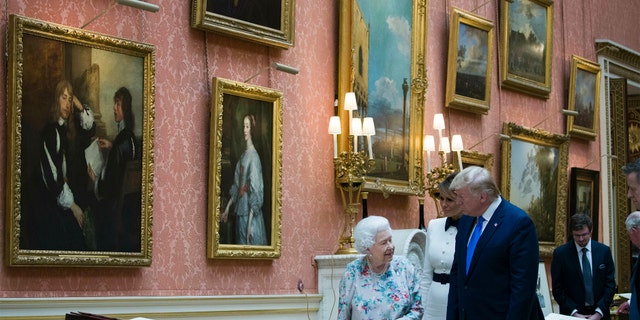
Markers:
(473, 158)
(387, 73)
(534, 178)
(526, 46)
(245, 172)
(584, 98)
(268, 22)
(62, 209)
(470, 62)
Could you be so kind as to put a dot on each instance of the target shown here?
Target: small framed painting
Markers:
(470, 60)
(584, 98)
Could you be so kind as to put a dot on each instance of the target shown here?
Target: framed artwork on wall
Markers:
(470, 62)
(526, 46)
(382, 60)
(534, 166)
(584, 98)
(584, 196)
(80, 147)
(245, 174)
(268, 22)
(473, 158)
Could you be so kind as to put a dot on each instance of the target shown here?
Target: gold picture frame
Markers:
(534, 178)
(399, 172)
(245, 172)
(473, 158)
(470, 62)
(268, 22)
(526, 46)
(584, 197)
(584, 98)
(56, 214)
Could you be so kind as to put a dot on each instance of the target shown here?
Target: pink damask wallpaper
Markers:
(187, 60)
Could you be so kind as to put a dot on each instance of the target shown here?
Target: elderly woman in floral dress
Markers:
(379, 285)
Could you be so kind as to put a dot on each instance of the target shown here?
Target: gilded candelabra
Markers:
(434, 177)
(351, 168)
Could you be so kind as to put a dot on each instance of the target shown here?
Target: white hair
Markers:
(366, 230)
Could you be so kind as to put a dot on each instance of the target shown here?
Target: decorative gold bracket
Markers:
(351, 168)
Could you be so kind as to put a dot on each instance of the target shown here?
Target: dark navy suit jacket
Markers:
(634, 308)
(503, 274)
(567, 282)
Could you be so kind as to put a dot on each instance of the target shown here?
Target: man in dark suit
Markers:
(592, 299)
(501, 277)
(632, 308)
(632, 172)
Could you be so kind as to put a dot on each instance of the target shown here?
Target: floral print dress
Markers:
(393, 294)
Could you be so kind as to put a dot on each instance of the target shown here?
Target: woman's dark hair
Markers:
(124, 96)
(252, 123)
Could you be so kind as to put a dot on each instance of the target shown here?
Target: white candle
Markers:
(457, 146)
(428, 146)
(335, 129)
(356, 131)
(369, 130)
(355, 144)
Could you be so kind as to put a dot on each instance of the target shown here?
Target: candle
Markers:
(356, 131)
(429, 145)
(456, 145)
(335, 129)
(350, 104)
(369, 129)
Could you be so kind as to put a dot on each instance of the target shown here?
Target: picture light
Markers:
(140, 5)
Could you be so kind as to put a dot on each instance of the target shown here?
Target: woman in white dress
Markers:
(441, 238)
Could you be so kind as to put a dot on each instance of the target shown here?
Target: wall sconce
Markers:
(140, 5)
(277, 66)
(351, 167)
(131, 3)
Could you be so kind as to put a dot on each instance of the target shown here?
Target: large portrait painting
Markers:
(534, 178)
(245, 172)
(79, 152)
(269, 22)
(526, 46)
(382, 60)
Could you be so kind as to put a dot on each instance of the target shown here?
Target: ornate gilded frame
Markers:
(268, 30)
(525, 59)
(584, 197)
(584, 97)
(539, 187)
(469, 77)
(231, 102)
(473, 158)
(40, 55)
(353, 76)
